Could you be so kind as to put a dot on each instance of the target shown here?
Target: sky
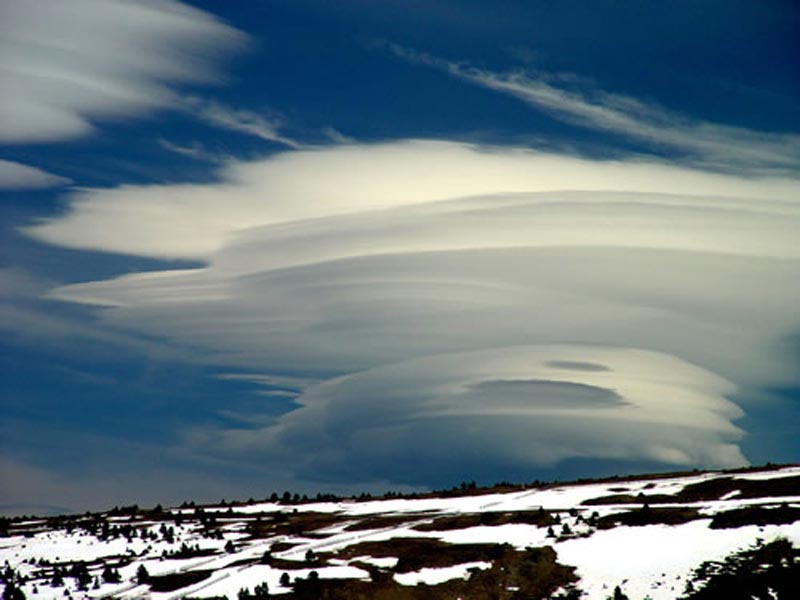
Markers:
(366, 246)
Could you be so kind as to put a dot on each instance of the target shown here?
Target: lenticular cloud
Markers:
(463, 303)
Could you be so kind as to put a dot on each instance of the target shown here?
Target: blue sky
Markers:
(251, 246)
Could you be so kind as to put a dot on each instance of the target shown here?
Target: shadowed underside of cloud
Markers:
(64, 65)
(470, 304)
(451, 409)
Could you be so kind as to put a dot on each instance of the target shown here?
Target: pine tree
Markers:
(261, 591)
(619, 595)
(12, 591)
(142, 575)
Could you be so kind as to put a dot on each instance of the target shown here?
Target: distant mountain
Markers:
(699, 535)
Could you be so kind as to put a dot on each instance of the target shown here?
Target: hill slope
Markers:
(697, 535)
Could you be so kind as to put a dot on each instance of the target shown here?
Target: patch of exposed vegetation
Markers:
(711, 489)
(755, 515)
(768, 572)
(449, 523)
(176, 581)
(418, 553)
(294, 523)
(379, 522)
(649, 516)
(529, 574)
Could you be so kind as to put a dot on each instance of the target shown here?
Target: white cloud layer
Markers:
(65, 65)
(14, 175)
(531, 306)
(196, 220)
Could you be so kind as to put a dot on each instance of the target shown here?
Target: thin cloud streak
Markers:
(709, 144)
(235, 119)
(195, 150)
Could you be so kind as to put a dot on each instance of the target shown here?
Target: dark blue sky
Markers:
(256, 245)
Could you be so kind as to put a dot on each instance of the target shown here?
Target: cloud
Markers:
(706, 143)
(438, 291)
(235, 119)
(642, 405)
(14, 175)
(194, 150)
(66, 65)
(195, 221)
(29, 320)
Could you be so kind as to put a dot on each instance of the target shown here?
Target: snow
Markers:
(655, 560)
(433, 576)
(516, 534)
(763, 475)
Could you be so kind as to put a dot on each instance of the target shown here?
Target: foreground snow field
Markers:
(647, 535)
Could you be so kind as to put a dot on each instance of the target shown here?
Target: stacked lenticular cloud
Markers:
(453, 300)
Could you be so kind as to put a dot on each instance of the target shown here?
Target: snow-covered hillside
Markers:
(648, 536)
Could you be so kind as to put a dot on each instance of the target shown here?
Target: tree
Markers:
(111, 575)
(142, 575)
(619, 595)
(261, 591)
(285, 581)
(13, 592)
(81, 574)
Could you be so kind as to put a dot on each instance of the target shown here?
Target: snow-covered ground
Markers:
(646, 561)
(433, 576)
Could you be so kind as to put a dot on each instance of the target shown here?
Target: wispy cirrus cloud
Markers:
(64, 66)
(235, 119)
(194, 150)
(574, 100)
